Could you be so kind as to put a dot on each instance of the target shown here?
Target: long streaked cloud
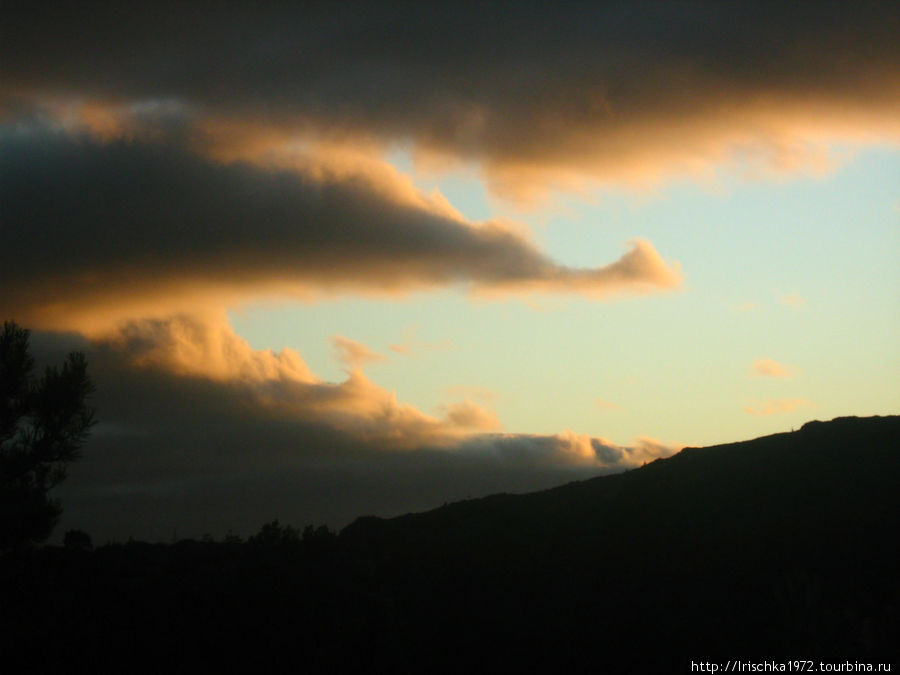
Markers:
(567, 448)
(97, 232)
(536, 95)
(411, 345)
(771, 368)
(354, 354)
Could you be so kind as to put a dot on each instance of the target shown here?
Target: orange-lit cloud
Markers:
(640, 270)
(205, 346)
(771, 368)
(198, 428)
(354, 354)
(549, 98)
(193, 419)
(777, 406)
(411, 344)
(604, 404)
(282, 385)
(648, 449)
(143, 192)
(224, 372)
(793, 300)
(95, 233)
(469, 415)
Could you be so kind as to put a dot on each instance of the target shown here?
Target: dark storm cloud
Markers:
(532, 91)
(92, 232)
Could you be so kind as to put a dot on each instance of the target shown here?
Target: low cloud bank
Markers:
(200, 431)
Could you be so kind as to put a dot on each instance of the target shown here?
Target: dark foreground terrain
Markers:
(784, 547)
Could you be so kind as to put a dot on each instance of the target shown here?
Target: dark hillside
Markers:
(826, 480)
(784, 547)
(752, 549)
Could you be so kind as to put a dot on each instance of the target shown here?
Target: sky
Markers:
(368, 258)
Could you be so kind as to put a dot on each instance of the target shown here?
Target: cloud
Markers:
(196, 426)
(793, 300)
(544, 96)
(469, 415)
(280, 386)
(410, 344)
(354, 354)
(94, 233)
(152, 175)
(770, 368)
(204, 346)
(777, 406)
(567, 449)
(648, 449)
(605, 405)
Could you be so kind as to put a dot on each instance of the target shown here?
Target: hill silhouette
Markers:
(759, 548)
(779, 548)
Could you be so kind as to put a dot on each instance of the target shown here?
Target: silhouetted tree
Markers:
(44, 421)
(318, 535)
(232, 539)
(77, 540)
(274, 534)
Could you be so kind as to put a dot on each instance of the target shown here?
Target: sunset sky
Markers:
(342, 259)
